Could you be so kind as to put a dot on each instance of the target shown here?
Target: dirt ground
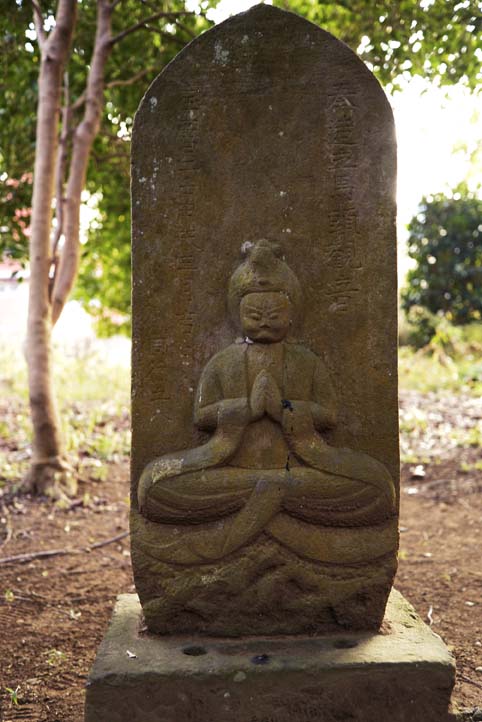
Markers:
(54, 611)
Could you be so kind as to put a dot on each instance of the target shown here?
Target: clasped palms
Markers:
(265, 398)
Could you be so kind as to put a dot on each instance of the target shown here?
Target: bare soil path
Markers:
(54, 611)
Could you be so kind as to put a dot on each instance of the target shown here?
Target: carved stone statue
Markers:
(267, 469)
(264, 468)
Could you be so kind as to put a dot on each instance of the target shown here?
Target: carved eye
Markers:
(255, 316)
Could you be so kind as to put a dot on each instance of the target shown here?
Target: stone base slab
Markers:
(404, 673)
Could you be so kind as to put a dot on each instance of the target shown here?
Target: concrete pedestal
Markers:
(405, 673)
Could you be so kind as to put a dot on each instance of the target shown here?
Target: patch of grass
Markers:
(55, 657)
(101, 433)
(13, 694)
(11, 469)
(87, 377)
(409, 458)
(469, 437)
(414, 420)
(83, 376)
(93, 405)
(13, 373)
(467, 468)
(450, 361)
(96, 471)
(425, 371)
(414, 459)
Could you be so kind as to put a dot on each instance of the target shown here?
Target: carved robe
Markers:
(295, 489)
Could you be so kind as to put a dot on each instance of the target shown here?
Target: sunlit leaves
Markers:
(446, 243)
(104, 282)
(438, 39)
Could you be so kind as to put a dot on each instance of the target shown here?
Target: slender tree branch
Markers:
(60, 178)
(39, 24)
(21, 558)
(82, 141)
(112, 156)
(112, 136)
(79, 102)
(112, 84)
(111, 540)
(149, 4)
(471, 681)
(167, 36)
(183, 26)
(129, 81)
(150, 19)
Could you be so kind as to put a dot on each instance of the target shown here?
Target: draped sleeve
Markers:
(208, 396)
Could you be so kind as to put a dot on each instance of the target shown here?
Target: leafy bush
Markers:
(446, 243)
(418, 327)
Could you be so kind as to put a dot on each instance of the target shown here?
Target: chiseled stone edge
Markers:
(405, 642)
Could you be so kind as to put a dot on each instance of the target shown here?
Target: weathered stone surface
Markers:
(403, 674)
(265, 127)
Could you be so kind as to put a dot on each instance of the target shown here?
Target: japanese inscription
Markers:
(267, 135)
(341, 253)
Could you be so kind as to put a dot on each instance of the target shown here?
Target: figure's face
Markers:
(265, 317)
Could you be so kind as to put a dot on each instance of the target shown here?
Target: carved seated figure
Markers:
(266, 469)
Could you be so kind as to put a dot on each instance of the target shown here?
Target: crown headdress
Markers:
(263, 270)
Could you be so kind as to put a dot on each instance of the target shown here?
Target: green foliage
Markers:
(94, 411)
(451, 361)
(19, 62)
(55, 657)
(417, 327)
(445, 242)
(469, 437)
(438, 39)
(468, 468)
(104, 281)
(13, 694)
(105, 270)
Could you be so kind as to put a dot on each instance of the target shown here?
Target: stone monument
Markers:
(264, 395)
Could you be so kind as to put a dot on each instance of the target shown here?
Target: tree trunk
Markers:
(83, 138)
(47, 468)
(48, 296)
